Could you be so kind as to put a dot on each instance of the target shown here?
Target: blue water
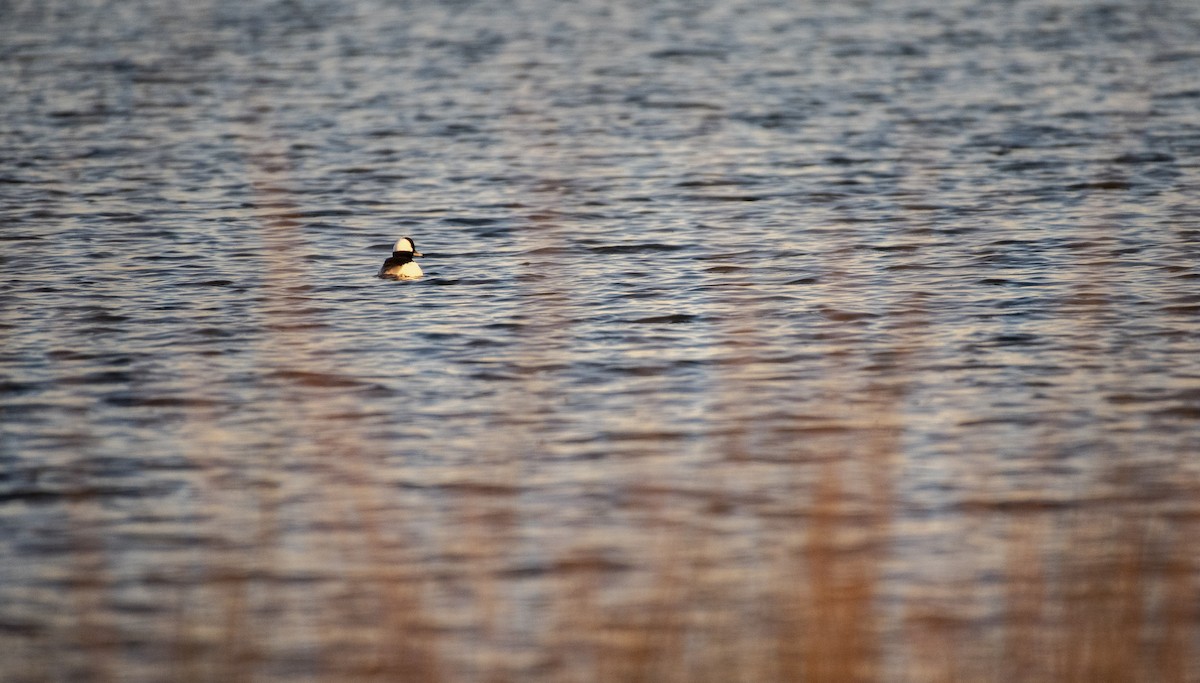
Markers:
(690, 253)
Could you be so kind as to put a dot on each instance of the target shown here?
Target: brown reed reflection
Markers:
(773, 342)
(769, 561)
(1088, 594)
(373, 625)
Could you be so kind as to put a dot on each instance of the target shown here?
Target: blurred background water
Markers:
(759, 340)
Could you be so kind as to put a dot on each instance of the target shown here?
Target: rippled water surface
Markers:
(892, 301)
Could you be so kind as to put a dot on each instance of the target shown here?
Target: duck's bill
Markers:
(417, 253)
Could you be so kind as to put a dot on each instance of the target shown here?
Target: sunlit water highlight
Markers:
(704, 282)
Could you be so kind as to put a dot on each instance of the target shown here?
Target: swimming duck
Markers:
(400, 265)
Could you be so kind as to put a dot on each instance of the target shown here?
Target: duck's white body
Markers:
(400, 265)
(405, 271)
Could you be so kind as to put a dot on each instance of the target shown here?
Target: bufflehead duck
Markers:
(400, 265)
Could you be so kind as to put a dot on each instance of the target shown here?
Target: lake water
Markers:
(742, 322)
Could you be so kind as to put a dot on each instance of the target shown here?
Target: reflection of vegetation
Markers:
(314, 565)
(1108, 606)
(1086, 595)
(1101, 590)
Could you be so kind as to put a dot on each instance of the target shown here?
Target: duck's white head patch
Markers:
(405, 244)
